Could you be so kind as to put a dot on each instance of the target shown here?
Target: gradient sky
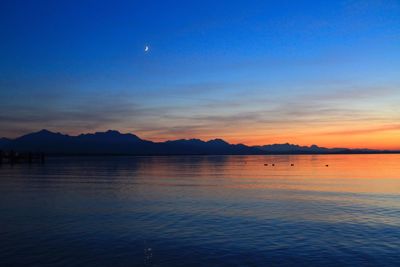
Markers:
(255, 72)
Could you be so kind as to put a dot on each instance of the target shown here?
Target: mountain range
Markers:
(114, 142)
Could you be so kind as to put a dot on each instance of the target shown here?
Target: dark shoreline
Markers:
(174, 155)
(114, 143)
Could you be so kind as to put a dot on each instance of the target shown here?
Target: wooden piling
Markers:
(13, 157)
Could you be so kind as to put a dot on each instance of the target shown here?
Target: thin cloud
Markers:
(382, 128)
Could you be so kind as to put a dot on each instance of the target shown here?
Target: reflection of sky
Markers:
(317, 72)
(91, 210)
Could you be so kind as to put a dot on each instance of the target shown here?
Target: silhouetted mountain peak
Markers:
(110, 135)
(42, 134)
(114, 142)
(45, 132)
(110, 132)
(288, 148)
(218, 141)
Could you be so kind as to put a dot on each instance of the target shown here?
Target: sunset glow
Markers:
(325, 74)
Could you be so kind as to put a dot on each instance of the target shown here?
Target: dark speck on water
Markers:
(201, 211)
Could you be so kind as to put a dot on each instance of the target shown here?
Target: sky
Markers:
(252, 72)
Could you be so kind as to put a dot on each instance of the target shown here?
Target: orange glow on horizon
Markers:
(358, 138)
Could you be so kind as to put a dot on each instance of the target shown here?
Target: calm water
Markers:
(202, 211)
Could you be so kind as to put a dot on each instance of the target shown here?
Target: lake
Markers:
(325, 210)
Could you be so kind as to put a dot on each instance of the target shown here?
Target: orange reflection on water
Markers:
(378, 173)
(338, 173)
(305, 191)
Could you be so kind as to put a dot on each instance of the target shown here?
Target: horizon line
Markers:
(188, 139)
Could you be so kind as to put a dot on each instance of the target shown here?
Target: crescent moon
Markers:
(146, 48)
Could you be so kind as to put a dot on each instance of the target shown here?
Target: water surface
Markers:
(202, 211)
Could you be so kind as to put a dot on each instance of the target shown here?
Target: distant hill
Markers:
(4, 142)
(296, 149)
(114, 142)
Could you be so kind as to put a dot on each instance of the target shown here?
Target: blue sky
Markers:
(246, 71)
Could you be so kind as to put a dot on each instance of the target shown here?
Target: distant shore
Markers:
(115, 143)
(174, 155)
